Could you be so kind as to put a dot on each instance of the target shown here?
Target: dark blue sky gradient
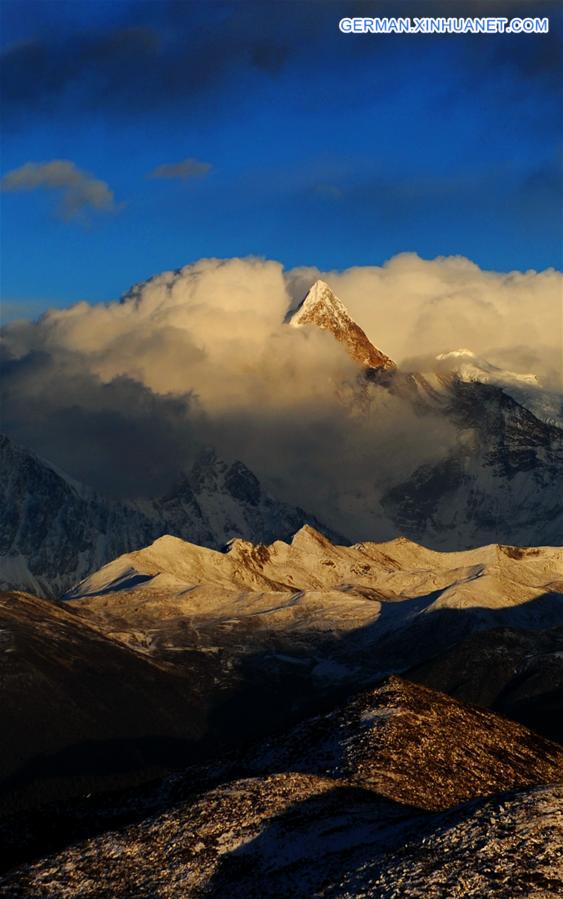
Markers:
(326, 149)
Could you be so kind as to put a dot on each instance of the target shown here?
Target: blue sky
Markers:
(323, 149)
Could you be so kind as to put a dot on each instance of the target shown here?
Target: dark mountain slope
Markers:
(54, 531)
(516, 672)
(359, 830)
(82, 712)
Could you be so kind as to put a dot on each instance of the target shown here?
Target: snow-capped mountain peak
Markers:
(471, 367)
(321, 307)
(452, 354)
(320, 299)
(523, 387)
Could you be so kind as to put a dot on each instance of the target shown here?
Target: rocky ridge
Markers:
(293, 832)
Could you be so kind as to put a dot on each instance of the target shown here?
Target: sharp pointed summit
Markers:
(321, 307)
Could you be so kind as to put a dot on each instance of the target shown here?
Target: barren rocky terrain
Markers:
(191, 722)
(346, 807)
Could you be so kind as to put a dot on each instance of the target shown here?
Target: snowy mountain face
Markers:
(474, 368)
(54, 531)
(397, 569)
(322, 308)
(524, 388)
(218, 502)
(297, 619)
(502, 481)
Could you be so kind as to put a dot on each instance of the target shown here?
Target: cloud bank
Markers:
(412, 307)
(124, 394)
(79, 191)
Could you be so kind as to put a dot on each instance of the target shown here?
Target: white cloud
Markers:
(411, 307)
(276, 396)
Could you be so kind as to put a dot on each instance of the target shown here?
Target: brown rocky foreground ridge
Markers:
(417, 747)
(346, 805)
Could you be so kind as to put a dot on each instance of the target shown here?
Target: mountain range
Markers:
(54, 531)
(308, 617)
(211, 693)
(500, 481)
(176, 652)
